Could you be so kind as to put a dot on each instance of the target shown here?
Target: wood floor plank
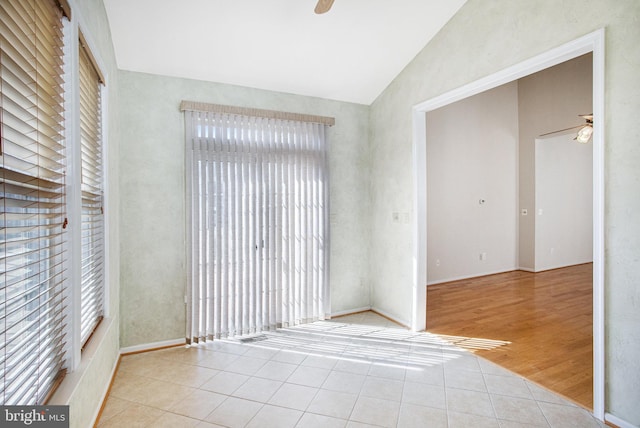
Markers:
(546, 317)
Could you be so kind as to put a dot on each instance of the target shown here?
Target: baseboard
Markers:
(350, 311)
(608, 417)
(152, 346)
(526, 269)
(107, 391)
(553, 267)
(475, 275)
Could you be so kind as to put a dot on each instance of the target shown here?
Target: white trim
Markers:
(617, 421)
(151, 346)
(475, 275)
(350, 311)
(592, 42)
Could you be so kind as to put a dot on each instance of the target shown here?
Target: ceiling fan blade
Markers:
(323, 6)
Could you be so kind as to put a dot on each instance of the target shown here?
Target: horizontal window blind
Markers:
(32, 190)
(258, 226)
(92, 224)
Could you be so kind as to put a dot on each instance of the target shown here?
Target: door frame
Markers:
(593, 42)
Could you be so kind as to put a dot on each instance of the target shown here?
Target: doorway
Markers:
(594, 43)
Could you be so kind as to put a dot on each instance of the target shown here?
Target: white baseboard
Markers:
(150, 346)
(475, 275)
(350, 311)
(617, 421)
(526, 269)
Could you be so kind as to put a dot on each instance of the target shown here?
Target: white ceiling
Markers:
(349, 54)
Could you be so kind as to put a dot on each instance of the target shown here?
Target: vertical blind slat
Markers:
(256, 242)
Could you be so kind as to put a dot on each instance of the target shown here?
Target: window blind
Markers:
(258, 224)
(32, 191)
(92, 219)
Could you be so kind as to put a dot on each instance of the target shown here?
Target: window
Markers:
(33, 219)
(51, 270)
(258, 222)
(92, 289)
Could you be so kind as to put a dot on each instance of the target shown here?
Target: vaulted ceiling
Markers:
(349, 54)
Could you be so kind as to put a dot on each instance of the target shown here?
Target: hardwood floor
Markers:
(546, 317)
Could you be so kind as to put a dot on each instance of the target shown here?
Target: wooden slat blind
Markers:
(32, 201)
(92, 289)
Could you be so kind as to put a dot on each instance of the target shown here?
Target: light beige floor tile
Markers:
(144, 364)
(518, 409)
(293, 396)
(260, 352)
(135, 416)
(276, 370)
(464, 379)
(114, 406)
(355, 366)
(415, 416)
(332, 403)
(488, 367)
(424, 395)
(311, 420)
(289, 356)
(275, 417)
(466, 420)
(542, 394)
(187, 375)
(229, 347)
(218, 360)
(355, 424)
(198, 404)
(205, 424)
(460, 360)
(234, 412)
(171, 420)
(387, 371)
(309, 376)
(513, 424)
(318, 361)
(433, 375)
(161, 395)
(126, 384)
(344, 382)
(560, 416)
(386, 389)
(464, 401)
(376, 411)
(184, 354)
(225, 383)
(257, 389)
(246, 365)
(513, 386)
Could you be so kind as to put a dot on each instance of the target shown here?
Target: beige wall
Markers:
(472, 155)
(548, 100)
(483, 38)
(152, 216)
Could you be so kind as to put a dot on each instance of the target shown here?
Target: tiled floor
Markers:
(355, 371)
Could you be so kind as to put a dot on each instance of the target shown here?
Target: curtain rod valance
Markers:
(271, 114)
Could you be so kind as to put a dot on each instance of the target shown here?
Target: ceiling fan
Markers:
(323, 6)
(586, 129)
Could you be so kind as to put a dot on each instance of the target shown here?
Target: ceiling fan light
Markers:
(584, 135)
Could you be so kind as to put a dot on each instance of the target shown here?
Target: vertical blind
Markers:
(257, 225)
(32, 192)
(92, 219)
